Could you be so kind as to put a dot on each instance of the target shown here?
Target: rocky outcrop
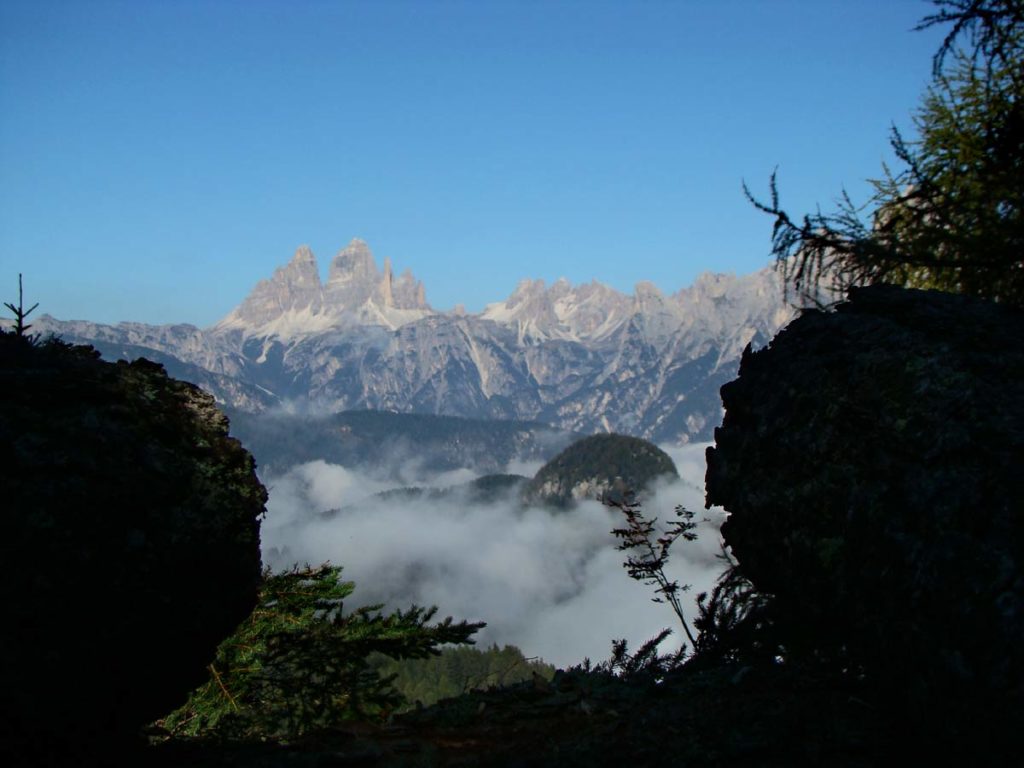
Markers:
(130, 549)
(293, 288)
(295, 303)
(870, 459)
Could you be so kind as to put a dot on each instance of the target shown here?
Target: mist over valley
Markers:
(397, 440)
(548, 580)
(675, 416)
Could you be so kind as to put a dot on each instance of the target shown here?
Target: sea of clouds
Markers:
(551, 583)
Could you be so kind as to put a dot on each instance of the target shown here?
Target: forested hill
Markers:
(600, 465)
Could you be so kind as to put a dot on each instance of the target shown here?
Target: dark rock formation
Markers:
(872, 460)
(130, 545)
(608, 467)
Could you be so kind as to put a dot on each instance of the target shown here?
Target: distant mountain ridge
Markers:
(584, 358)
(381, 441)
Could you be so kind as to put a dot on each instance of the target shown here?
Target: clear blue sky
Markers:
(159, 157)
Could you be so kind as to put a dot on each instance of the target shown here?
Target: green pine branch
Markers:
(299, 664)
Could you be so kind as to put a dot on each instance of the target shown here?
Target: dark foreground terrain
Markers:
(729, 716)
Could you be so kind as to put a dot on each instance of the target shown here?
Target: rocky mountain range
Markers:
(585, 358)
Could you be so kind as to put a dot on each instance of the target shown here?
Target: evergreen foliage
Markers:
(20, 313)
(734, 622)
(647, 662)
(299, 664)
(457, 671)
(952, 217)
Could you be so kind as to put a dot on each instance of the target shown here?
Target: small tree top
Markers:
(20, 313)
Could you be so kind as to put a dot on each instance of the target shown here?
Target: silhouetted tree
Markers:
(20, 313)
(299, 663)
(649, 549)
(952, 216)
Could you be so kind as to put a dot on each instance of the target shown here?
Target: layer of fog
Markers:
(551, 583)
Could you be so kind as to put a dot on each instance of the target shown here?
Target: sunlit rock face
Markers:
(293, 302)
(585, 358)
(871, 462)
(130, 546)
(294, 287)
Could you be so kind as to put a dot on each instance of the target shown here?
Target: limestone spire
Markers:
(385, 284)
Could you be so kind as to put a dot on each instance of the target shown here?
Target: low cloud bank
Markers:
(551, 583)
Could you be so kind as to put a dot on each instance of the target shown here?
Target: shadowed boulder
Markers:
(130, 549)
(872, 462)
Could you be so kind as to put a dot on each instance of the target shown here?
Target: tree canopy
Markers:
(298, 664)
(950, 217)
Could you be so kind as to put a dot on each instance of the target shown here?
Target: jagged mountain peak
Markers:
(584, 357)
(714, 283)
(293, 289)
(526, 289)
(304, 255)
(354, 262)
(302, 274)
(646, 293)
(562, 311)
(294, 302)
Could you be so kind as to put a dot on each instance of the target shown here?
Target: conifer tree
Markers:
(299, 664)
(20, 313)
(952, 216)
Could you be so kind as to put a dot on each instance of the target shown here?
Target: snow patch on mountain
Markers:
(585, 358)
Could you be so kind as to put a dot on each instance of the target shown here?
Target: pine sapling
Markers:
(20, 313)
